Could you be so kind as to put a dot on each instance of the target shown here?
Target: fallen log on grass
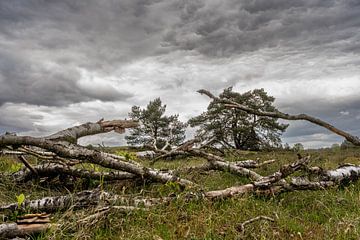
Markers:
(68, 150)
(272, 184)
(52, 170)
(25, 226)
(14, 230)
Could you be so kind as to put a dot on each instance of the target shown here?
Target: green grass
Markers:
(329, 214)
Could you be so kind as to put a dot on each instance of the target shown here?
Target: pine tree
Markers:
(238, 129)
(156, 129)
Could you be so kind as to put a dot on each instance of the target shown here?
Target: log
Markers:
(282, 173)
(52, 204)
(74, 133)
(84, 199)
(14, 230)
(275, 185)
(73, 151)
(53, 170)
(219, 163)
(253, 163)
(344, 173)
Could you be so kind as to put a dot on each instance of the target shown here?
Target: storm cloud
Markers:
(67, 62)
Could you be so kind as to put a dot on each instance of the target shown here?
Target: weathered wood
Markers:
(241, 227)
(57, 203)
(74, 133)
(253, 163)
(27, 164)
(218, 163)
(73, 151)
(231, 191)
(344, 173)
(282, 173)
(272, 184)
(53, 170)
(13, 230)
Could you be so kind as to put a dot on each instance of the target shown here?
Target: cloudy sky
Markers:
(65, 62)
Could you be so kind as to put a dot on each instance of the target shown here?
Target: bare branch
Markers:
(220, 164)
(74, 133)
(231, 104)
(27, 164)
(69, 150)
(53, 170)
(13, 230)
(241, 227)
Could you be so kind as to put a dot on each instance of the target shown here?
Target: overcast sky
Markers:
(66, 62)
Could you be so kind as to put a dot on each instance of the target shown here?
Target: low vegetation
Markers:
(328, 214)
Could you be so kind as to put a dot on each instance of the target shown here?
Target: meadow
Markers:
(332, 213)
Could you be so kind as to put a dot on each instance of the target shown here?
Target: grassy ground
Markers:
(328, 214)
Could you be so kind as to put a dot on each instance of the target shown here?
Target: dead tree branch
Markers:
(218, 163)
(52, 204)
(13, 230)
(72, 151)
(52, 170)
(231, 104)
(253, 163)
(241, 227)
(74, 133)
(27, 164)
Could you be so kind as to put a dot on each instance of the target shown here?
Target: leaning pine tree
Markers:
(235, 128)
(156, 130)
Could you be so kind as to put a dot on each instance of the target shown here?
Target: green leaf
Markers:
(20, 199)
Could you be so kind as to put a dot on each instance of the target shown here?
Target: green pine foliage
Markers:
(155, 128)
(238, 129)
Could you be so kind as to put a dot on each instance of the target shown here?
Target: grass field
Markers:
(328, 214)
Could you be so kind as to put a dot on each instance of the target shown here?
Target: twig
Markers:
(241, 227)
(27, 164)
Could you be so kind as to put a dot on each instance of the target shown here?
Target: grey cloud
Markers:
(227, 28)
(45, 43)
(90, 34)
(23, 81)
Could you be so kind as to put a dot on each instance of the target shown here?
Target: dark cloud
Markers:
(227, 28)
(27, 82)
(90, 34)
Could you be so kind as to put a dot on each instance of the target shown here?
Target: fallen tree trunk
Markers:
(52, 170)
(252, 163)
(273, 184)
(344, 173)
(74, 133)
(73, 151)
(218, 163)
(13, 230)
(52, 204)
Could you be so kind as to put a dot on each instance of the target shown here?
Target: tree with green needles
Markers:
(238, 129)
(156, 129)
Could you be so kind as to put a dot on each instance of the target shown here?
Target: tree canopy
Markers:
(238, 129)
(155, 129)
